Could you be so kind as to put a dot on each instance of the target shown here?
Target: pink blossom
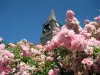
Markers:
(97, 19)
(89, 50)
(64, 30)
(70, 14)
(89, 28)
(79, 43)
(54, 43)
(6, 57)
(39, 46)
(87, 61)
(2, 46)
(93, 42)
(48, 47)
(98, 34)
(94, 24)
(9, 54)
(26, 53)
(1, 39)
(98, 31)
(86, 34)
(25, 48)
(69, 20)
(51, 72)
(42, 57)
(22, 66)
(75, 22)
(49, 58)
(86, 21)
(57, 40)
(67, 41)
(12, 45)
(57, 70)
(65, 36)
(23, 69)
(35, 52)
(54, 72)
(5, 70)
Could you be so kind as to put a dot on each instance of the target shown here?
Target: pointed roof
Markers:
(52, 16)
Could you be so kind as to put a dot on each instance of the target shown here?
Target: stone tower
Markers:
(48, 28)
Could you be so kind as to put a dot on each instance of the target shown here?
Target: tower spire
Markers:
(52, 16)
(48, 28)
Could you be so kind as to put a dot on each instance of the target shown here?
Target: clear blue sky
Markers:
(21, 19)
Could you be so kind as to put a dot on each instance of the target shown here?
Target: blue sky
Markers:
(23, 19)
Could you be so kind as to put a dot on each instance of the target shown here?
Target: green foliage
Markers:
(16, 51)
(97, 50)
(48, 65)
(61, 51)
(28, 60)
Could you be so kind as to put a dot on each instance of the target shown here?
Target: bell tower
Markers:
(48, 28)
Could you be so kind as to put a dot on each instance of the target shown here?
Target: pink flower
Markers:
(89, 28)
(89, 50)
(25, 48)
(67, 41)
(6, 57)
(12, 45)
(1, 39)
(22, 66)
(2, 46)
(57, 70)
(79, 43)
(23, 69)
(55, 42)
(97, 19)
(48, 47)
(98, 34)
(8, 53)
(87, 61)
(69, 20)
(64, 30)
(54, 72)
(75, 22)
(93, 42)
(26, 53)
(94, 24)
(35, 52)
(86, 34)
(51, 72)
(39, 46)
(5, 70)
(86, 21)
(49, 58)
(98, 31)
(70, 14)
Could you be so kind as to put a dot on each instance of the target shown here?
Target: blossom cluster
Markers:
(22, 58)
(78, 41)
(71, 49)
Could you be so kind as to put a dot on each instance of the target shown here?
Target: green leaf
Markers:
(97, 50)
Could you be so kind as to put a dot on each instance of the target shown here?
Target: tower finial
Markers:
(52, 16)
